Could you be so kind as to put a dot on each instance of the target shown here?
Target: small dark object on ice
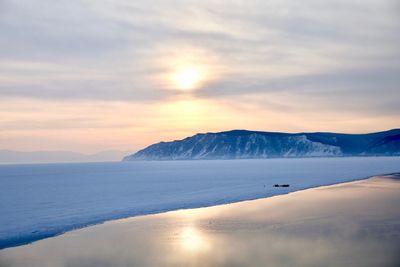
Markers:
(281, 185)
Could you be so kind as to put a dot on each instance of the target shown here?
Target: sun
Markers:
(187, 78)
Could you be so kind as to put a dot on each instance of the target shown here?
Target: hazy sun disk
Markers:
(187, 78)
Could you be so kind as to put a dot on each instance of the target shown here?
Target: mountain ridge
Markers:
(242, 144)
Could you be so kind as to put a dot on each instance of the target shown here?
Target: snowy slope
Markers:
(240, 144)
(38, 201)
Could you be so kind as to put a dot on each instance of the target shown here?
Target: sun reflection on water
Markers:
(193, 240)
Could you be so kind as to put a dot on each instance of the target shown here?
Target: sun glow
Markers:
(187, 78)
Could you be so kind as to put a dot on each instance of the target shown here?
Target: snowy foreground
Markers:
(39, 201)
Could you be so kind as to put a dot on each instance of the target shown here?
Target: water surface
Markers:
(353, 224)
(43, 200)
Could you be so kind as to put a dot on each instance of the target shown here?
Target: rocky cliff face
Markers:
(240, 144)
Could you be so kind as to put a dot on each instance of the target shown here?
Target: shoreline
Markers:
(185, 160)
(183, 208)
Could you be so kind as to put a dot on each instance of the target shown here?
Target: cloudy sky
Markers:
(91, 75)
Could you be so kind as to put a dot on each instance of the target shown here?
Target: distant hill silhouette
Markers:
(11, 156)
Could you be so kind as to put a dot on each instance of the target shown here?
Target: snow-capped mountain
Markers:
(242, 144)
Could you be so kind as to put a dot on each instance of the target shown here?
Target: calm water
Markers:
(43, 200)
(354, 224)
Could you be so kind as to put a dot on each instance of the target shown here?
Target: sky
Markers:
(93, 75)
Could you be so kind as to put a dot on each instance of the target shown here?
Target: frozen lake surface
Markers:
(354, 224)
(43, 200)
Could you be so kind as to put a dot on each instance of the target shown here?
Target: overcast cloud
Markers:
(333, 54)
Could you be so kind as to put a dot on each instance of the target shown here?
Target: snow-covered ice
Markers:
(43, 200)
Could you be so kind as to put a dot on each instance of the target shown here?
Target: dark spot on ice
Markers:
(281, 185)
